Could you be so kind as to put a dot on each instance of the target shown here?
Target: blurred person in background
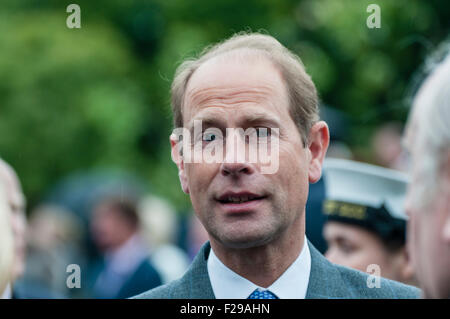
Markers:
(191, 234)
(124, 268)
(428, 200)
(387, 147)
(159, 225)
(366, 223)
(197, 235)
(54, 241)
(339, 124)
(315, 221)
(19, 289)
(6, 245)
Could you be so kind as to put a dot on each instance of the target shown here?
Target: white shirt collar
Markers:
(292, 284)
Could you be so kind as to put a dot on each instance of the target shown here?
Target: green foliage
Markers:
(68, 98)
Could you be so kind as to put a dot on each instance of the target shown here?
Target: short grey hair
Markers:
(302, 92)
(430, 124)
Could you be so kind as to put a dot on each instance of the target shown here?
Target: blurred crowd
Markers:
(126, 244)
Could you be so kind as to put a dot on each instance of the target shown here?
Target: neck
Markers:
(263, 265)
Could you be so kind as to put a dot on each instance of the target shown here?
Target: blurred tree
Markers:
(68, 100)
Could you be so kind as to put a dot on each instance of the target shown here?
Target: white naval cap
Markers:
(367, 185)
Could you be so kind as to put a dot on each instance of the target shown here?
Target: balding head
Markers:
(302, 94)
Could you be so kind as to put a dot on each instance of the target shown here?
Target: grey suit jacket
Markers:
(326, 280)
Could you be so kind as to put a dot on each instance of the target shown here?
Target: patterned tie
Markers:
(262, 294)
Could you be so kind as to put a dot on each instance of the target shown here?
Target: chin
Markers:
(244, 241)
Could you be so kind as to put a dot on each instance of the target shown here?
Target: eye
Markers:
(263, 132)
(209, 137)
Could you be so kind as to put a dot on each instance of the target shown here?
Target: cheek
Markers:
(354, 259)
(365, 256)
(199, 178)
(195, 175)
(360, 261)
(294, 174)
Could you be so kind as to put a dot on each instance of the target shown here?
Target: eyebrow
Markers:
(248, 120)
(263, 119)
(208, 120)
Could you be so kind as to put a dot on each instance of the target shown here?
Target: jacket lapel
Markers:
(197, 280)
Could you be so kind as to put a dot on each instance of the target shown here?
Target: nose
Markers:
(236, 169)
(235, 162)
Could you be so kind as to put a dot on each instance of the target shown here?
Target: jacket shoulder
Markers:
(167, 291)
(194, 284)
(363, 285)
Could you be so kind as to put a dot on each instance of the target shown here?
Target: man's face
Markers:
(233, 93)
(429, 222)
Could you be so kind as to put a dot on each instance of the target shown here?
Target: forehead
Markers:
(236, 81)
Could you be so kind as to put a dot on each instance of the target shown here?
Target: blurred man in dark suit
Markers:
(125, 268)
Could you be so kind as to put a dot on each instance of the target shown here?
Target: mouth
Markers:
(240, 202)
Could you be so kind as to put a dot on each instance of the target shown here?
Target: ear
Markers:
(177, 158)
(319, 139)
